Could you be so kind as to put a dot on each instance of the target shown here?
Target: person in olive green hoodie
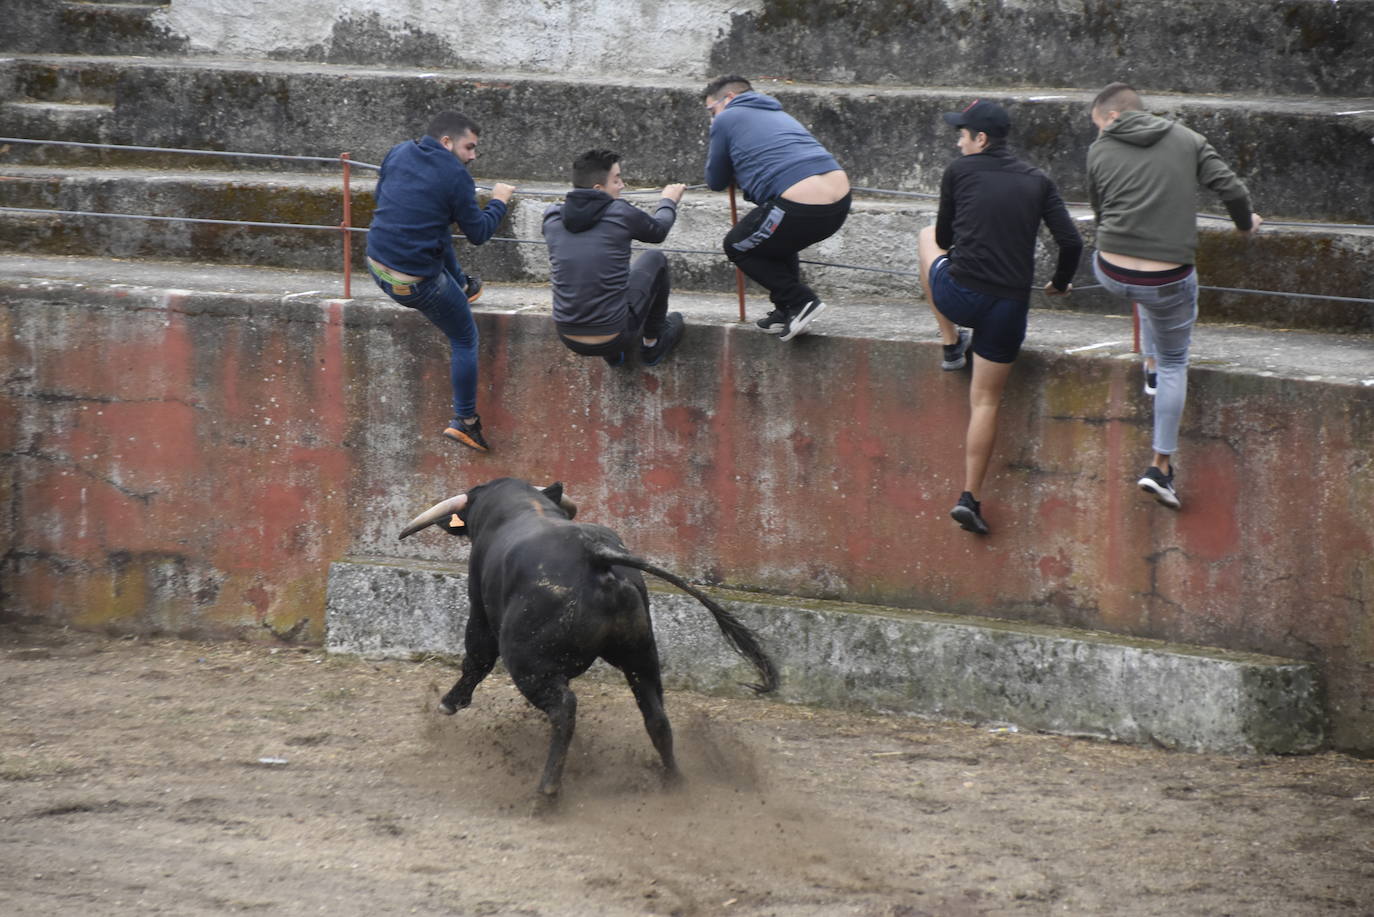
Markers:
(1143, 176)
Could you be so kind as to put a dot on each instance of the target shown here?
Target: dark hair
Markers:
(592, 167)
(452, 124)
(724, 84)
(1118, 97)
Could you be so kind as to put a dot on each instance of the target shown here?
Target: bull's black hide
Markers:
(549, 596)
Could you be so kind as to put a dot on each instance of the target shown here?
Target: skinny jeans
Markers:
(1167, 316)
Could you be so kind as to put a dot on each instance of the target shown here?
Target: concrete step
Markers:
(120, 27)
(857, 657)
(83, 122)
(56, 82)
(1270, 47)
(885, 137)
(878, 242)
(1231, 46)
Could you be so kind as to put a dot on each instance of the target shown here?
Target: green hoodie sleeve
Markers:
(1214, 173)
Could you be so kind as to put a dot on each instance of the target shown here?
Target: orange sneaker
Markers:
(467, 434)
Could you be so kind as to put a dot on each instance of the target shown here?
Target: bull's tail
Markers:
(744, 640)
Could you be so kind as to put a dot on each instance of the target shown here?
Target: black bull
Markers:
(549, 596)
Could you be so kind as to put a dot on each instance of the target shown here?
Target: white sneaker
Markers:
(805, 316)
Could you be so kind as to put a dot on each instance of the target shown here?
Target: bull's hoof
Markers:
(545, 804)
(448, 709)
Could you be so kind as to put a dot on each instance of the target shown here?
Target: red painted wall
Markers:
(193, 463)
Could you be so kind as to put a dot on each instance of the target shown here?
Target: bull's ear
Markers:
(555, 493)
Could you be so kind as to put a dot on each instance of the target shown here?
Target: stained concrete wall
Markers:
(193, 462)
(1269, 46)
(586, 37)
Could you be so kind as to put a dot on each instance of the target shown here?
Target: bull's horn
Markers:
(568, 506)
(435, 513)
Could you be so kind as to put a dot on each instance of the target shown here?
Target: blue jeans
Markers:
(441, 300)
(1167, 316)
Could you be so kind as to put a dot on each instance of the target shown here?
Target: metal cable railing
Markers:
(346, 229)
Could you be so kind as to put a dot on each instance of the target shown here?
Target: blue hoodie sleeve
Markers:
(720, 171)
(477, 223)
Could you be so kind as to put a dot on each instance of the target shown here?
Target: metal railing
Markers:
(346, 229)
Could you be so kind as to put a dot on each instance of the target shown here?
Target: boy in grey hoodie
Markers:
(1143, 175)
(602, 305)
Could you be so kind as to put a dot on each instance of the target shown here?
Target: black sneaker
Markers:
(1151, 381)
(968, 513)
(668, 338)
(774, 322)
(1161, 485)
(473, 290)
(469, 435)
(797, 321)
(955, 355)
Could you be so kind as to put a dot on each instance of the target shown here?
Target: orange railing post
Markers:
(347, 227)
(1135, 327)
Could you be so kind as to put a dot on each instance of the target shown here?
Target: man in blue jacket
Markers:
(423, 189)
(801, 193)
(602, 304)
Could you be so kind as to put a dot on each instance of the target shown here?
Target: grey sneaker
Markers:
(1161, 485)
(797, 321)
(955, 355)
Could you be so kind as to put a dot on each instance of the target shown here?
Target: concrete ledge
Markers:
(880, 233)
(868, 658)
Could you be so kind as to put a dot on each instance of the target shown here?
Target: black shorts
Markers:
(999, 325)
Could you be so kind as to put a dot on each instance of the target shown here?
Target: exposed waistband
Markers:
(392, 277)
(1143, 278)
(843, 203)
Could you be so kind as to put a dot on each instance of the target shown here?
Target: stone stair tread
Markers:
(60, 105)
(134, 5)
(1312, 104)
(1346, 359)
(364, 178)
(322, 180)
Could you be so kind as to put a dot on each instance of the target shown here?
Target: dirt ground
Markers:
(152, 776)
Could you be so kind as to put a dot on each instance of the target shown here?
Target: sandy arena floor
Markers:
(150, 776)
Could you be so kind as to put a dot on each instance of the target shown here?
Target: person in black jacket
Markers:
(978, 261)
(602, 305)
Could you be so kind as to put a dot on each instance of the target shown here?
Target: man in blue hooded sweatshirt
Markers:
(423, 189)
(602, 304)
(801, 192)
